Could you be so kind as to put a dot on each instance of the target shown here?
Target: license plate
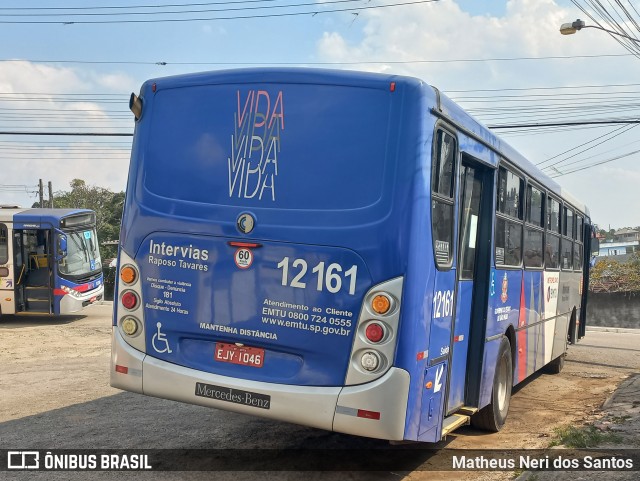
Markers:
(242, 355)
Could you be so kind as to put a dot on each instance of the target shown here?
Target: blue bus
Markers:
(49, 261)
(348, 251)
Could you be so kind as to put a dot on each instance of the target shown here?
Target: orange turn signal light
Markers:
(128, 274)
(381, 304)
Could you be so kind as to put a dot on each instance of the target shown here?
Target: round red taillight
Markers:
(374, 332)
(129, 300)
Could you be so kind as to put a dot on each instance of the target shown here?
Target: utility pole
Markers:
(50, 195)
(41, 192)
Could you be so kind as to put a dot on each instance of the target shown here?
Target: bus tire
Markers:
(572, 335)
(555, 366)
(493, 416)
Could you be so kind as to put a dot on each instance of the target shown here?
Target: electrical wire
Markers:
(31, 13)
(314, 12)
(308, 63)
(513, 111)
(130, 7)
(618, 157)
(564, 161)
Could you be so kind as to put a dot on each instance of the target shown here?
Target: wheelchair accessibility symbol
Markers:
(160, 339)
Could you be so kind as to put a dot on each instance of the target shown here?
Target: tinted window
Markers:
(471, 193)
(577, 256)
(510, 188)
(508, 242)
(532, 247)
(567, 228)
(535, 201)
(4, 245)
(281, 146)
(579, 227)
(553, 215)
(442, 177)
(566, 254)
(552, 252)
(442, 217)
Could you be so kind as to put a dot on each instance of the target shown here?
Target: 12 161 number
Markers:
(331, 277)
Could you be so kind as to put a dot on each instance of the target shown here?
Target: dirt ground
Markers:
(52, 363)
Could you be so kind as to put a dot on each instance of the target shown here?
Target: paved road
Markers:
(70, 405)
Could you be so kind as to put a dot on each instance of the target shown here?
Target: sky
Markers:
(503, 61)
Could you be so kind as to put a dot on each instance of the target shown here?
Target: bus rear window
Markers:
(309, 147)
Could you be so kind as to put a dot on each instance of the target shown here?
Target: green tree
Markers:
(609, 275)
(107, 205)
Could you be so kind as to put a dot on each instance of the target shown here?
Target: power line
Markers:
(617, 133)
(31, 12)
(578, 146)
(549, 88)
(303, 62)
(548, 130)
(70, 134)
(236, 17)
(614, 25)
(113, 7)
(618, 157)
(557, 124)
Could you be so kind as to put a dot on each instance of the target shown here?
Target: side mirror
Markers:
(595, 246)
(62, 246)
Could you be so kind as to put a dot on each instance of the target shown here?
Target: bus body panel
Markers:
(533, 310)
(197, 294)
(123, 355)
(288, 216)
(331, 408)
(528, 301)
(386, 396)
(412, 352)
(294, 227)
(433, 404)
(460, 345)
(8, 282)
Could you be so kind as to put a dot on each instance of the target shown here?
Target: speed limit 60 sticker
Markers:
(243, 258)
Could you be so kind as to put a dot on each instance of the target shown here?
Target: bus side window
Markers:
(442, 188)
(4, 244)
(567, 238)
(552, 247)
(578, 246)
(534, 228)
(509, 218)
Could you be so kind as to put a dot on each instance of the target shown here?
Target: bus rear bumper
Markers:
(385, 397)
(330, 408)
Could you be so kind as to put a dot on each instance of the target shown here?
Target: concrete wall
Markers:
(614, 310)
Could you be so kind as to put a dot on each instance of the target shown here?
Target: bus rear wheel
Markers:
(493, 416)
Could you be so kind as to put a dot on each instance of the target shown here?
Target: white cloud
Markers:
(527, 28)
(24, 76)
(117, 82)
(37, 105)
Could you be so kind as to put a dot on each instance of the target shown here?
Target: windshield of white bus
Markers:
(83, 254)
